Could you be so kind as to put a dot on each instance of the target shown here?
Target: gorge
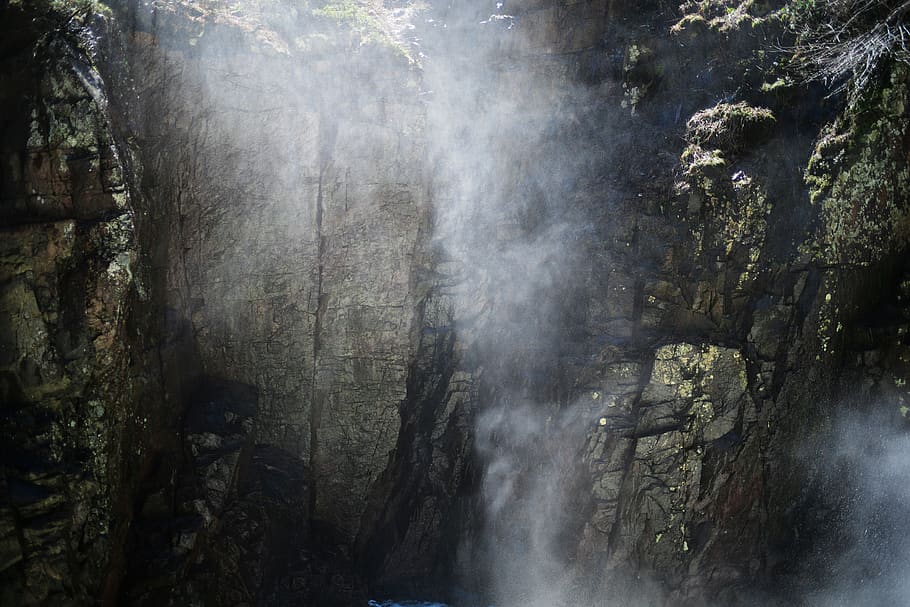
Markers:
(539, 303)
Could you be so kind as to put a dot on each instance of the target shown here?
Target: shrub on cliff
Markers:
(729, 126)
(375, 21)
(843, 41)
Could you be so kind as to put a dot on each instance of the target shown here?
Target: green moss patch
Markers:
(729, 126)
(859, 176)
(723, 16)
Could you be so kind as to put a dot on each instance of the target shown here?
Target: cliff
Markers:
(319, 302)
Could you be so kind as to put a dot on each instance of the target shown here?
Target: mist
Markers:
(513, 142)
(466, 302)
(863, 461)
(496, 154)
(506, 224)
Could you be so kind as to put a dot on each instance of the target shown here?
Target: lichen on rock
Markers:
(859, 176)
(733, 205)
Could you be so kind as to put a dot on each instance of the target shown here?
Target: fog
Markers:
(502, 171)
(864, 465)
(497, 147)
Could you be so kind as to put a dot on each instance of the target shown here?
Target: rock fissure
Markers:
(316, 401)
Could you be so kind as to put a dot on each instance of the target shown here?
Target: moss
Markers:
(724, 16)
(734, 208)
(321, 24)
(64, 17)
(695, 159)
(74, 125)
(373, 22)
(729, 126)
(692, 23)
(705, 172)
(859, 178)
(781, 85)
(640, 71)
(636, 54)
(85, 7)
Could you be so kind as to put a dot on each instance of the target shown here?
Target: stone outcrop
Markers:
(73, 361)
(292, 231)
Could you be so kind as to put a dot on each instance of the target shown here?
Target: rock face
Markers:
(76, 391)
(292, 232)
(570, 300)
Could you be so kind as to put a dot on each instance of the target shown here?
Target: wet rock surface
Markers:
(273, 364)
(231, 525)
(72, 364)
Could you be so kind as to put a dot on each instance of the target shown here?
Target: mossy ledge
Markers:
(859, 177)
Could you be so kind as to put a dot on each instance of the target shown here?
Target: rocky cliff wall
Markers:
(648, 352)
(85, 357)
(560, 301)
(293, 215)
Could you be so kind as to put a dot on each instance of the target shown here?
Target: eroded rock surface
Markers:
(612, 254)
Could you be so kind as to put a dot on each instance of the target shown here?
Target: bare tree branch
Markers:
(844, 41)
